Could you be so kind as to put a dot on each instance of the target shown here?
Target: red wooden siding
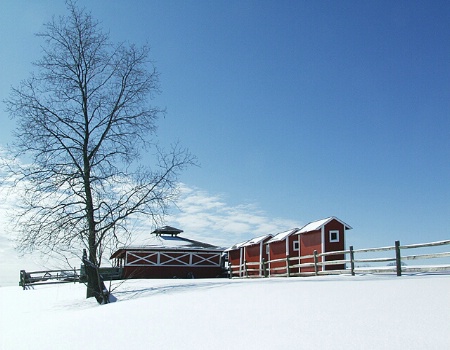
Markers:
(235, 260)
(309, 242)
(277, 250)
(234, 257)
(334, 246)
(252, 255)
(294, 253)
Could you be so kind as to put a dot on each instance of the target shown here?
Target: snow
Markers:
(282, 235)
(172, 242)
(338, 312)
(236, 246)
(164, 242)
(257, 240)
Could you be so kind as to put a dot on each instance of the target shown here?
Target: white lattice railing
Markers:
(169, 258)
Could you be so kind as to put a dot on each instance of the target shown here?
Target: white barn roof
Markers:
(312, 226)
(257, 240)
(252, 241)
(317, 225)
(236, 246)
(282, 235)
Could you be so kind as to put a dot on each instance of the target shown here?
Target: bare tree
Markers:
(82, 121)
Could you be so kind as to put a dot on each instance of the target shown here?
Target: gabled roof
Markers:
(236, 246)
(317, 225)
(312, 226)
(257, 240)
(282, 235)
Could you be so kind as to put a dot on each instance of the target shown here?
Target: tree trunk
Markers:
(92, 244)
(96, 287)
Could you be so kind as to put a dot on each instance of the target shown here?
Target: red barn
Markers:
(281, 246)
(173, 256)
(246, 257)
(254, 254)
(236, 259)
(326, 235)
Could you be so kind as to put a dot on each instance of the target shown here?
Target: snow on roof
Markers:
(252, 241)
(168, 242)
(257, 240)
(282, 235)
(317, 225)
(236, 246)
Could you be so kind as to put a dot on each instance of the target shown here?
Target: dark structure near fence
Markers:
(95, 284)
(172, 257)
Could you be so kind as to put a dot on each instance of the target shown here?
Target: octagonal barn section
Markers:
(171, 256)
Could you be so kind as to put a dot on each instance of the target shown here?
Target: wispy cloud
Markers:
(208, 217)
(203, 216)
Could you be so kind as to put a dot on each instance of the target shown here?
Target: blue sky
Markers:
(296, 110)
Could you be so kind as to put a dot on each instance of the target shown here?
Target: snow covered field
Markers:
(333, 312)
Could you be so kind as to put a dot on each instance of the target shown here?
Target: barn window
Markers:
(334, 236)
(296, 246)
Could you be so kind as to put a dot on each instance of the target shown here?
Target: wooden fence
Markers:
(48, 277)
(317, 263)
(28, 278)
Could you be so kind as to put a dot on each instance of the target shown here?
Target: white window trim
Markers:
(296, 246)
(330, 233)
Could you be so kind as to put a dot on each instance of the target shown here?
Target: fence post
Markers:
(245, 268)
(288, 268)
(316, 267)
(230, 271)
(264, 268)
(352, 261)
(398, 258)
(22, 278)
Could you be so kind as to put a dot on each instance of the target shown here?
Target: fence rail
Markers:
(48, 277)
(28, 278)
(293, 266)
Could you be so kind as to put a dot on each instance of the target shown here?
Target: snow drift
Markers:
(339, 312)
